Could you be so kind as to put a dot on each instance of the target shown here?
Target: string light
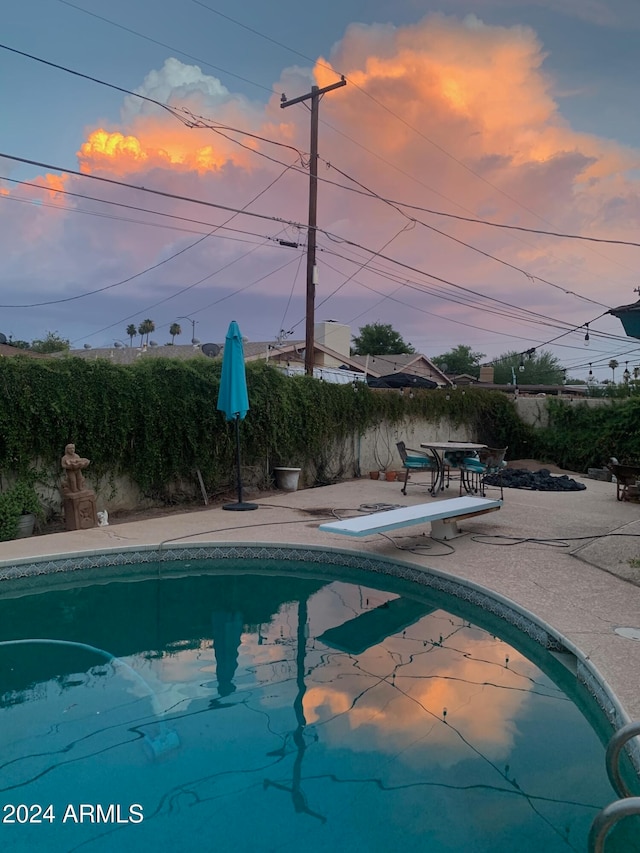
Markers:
(586, 337)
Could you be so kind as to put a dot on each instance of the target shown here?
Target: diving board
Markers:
(442, 515)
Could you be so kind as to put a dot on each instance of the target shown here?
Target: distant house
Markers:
(414, 363)
(332, 356)
(464, 379)
(6, 350)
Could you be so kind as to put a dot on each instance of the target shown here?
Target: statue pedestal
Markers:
(80, 510)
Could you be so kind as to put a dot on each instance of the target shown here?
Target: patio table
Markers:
(438, 450)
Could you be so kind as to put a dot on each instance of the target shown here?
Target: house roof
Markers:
(254, 350)
(8, 350)
(383, 365)
(295, 350)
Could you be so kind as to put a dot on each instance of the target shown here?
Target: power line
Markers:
(331, 236)
(183, 115)
(154, 266)
(167, 46)
(190, 287)
(62, 208)
(431, 291)
(193, 120)
(396, 116)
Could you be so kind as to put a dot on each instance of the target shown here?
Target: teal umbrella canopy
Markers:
(233, 399)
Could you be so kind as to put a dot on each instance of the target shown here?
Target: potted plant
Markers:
(19, 508)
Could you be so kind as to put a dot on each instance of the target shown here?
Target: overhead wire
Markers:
(469, 298)
(476, 220)
(194, 120)
(190, 287)
(530, 276)
(293, 284)
(69, 209)
(362, 266)
(161, 213)
(183, 115)
(384, 107)
(415, 286)
(235, 212)
(164, 194)
(195, 284)
(166, 46)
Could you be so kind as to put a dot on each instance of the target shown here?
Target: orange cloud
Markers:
(481, 90)
(155, 146)
(473, 126)
(483, 714)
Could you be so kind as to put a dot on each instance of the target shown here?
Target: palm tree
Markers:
(131, 332)
(145, 328)
(174, 329)
(613, 364)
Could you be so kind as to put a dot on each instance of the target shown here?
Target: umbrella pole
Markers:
(238, 468)
(240, 505)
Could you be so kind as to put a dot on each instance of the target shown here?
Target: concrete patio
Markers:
(562, 556)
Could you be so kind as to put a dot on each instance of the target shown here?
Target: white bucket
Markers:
(287, 478)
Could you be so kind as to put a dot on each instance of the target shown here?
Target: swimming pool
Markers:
(270, 704)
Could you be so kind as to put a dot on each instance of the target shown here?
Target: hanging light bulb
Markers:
(586, 337)
(521, 365)
(626, 375)
(590, 370)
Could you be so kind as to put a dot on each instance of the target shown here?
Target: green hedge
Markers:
(156, 420)
(581, 437)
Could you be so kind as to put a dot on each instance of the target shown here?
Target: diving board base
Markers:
(443, 529)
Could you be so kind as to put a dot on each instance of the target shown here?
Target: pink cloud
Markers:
(472, 126)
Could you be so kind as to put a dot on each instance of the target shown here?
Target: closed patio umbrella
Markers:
(233, 399)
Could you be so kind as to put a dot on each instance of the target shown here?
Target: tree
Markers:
(379, 339)
(613, 364)
(145, 328)
(461, 359)
(131, 333)
(51, 343)
(538, 369)
(174, 329)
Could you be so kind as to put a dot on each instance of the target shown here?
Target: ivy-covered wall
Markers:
(156, 422)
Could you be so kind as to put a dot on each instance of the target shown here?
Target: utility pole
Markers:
(315, 94)
(193, 328)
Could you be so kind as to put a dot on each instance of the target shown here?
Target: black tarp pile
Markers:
(536, 481)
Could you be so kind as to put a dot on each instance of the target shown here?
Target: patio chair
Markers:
(474, 470)
(415, 460)
(464, 461)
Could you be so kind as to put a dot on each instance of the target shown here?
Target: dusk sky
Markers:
(513, 112)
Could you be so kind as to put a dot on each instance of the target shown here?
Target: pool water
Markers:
(227, 706)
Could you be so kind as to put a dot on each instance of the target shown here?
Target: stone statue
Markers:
(73, 465)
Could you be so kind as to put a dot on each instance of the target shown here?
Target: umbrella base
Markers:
(240, 506)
